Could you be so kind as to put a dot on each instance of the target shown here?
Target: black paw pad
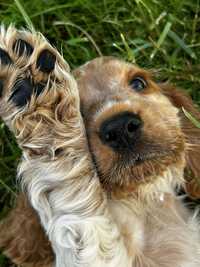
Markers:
(46, 61)
(4, 57)
(21, 47)
(22, 92)
(39, 87)
(1, 88)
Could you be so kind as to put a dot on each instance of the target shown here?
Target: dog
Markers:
(101, 178)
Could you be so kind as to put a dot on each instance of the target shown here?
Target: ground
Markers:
(162, 35)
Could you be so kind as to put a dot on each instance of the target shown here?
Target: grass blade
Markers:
(130, 54)
(191, 118)
(57, 23)
(7, 188)
(182, 44)
(161, 38)
(24, 15)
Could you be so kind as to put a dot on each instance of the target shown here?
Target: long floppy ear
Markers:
(22, 238)
(181, 100)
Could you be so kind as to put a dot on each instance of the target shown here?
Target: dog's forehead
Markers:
(103, 76)
(107, 80)
(105, 68)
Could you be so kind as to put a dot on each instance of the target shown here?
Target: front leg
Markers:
(40, 104)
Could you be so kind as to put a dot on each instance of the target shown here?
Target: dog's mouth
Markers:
(140, 158)
(134, 169)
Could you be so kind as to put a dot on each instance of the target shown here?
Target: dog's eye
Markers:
(138, 84)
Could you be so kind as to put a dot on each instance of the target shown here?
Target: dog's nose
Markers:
(121, 131)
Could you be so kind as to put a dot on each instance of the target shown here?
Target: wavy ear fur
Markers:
(181, 100)
(22, 238)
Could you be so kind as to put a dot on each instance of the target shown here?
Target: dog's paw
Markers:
(38, 95)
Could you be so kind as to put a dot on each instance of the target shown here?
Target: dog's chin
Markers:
(130, 171)
(132, 160)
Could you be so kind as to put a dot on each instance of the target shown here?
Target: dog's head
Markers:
(133, 124)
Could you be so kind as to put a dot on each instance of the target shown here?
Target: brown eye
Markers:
(138, 84)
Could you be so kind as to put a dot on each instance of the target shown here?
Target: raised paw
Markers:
(37, 91)
(39, 101)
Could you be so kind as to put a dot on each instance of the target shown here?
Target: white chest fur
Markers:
(130, 225)
(162, 234)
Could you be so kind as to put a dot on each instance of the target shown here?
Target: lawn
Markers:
(163, 35)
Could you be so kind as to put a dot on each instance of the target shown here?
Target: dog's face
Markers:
(133, 129)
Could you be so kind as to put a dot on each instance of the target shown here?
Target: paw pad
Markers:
(1, 88)
(29, 75)
(46, 61)
(22, 92)
(39, 88)
(21, 47)
(4, 57)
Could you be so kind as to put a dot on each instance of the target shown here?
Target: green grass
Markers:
(157, 34)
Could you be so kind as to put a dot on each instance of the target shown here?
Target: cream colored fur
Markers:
(86, 227)
(158, 229)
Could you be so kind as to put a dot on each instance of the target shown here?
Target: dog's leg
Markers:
(40, 104)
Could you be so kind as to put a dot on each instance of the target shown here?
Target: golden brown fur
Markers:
(23, 238)
(181, 100)
(104, 92)
(96, 90)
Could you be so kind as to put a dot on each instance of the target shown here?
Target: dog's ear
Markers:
(181, 100)
(23, 239)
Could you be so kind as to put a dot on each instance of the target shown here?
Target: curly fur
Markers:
(24, 240)
(62, 187)
(122, 222)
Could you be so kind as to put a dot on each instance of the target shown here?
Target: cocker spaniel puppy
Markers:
(104, 195)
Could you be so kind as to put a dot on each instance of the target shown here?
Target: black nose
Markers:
(121, 131)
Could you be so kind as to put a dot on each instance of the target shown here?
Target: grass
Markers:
(157, 34)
